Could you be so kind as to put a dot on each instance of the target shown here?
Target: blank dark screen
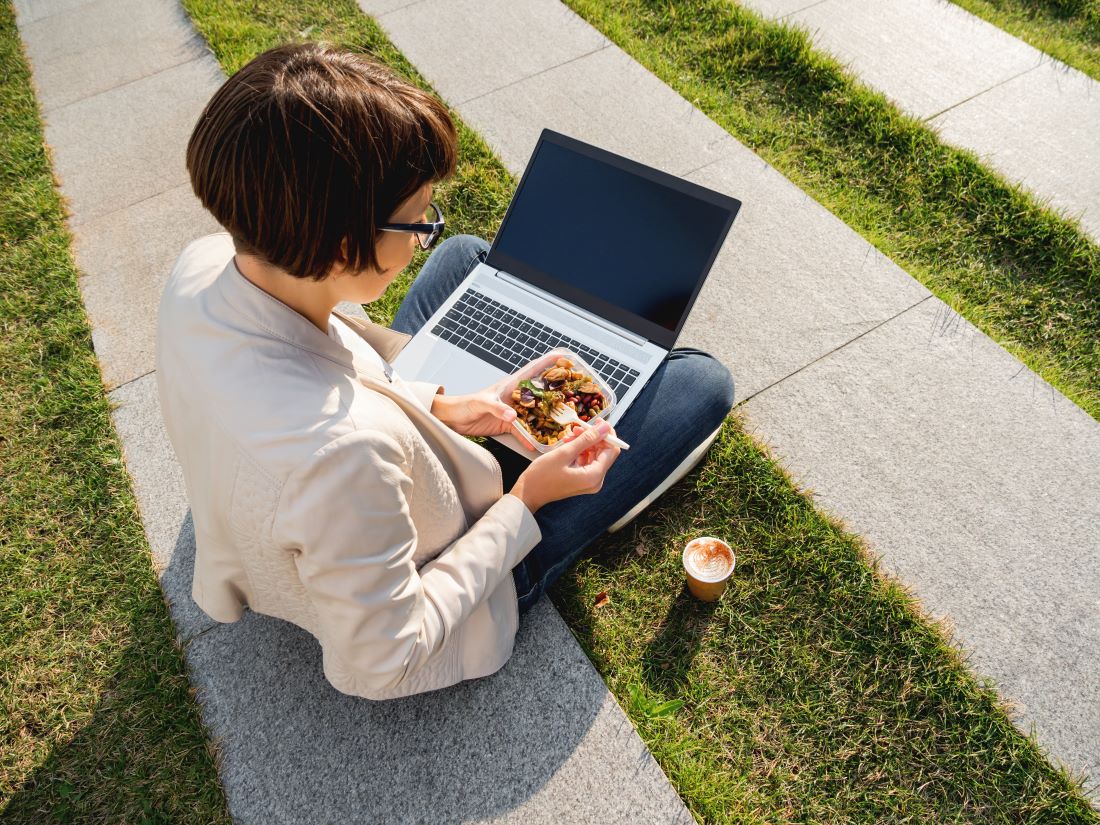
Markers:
(635, 243)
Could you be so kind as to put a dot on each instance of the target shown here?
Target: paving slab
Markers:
(979, 485)
(926, 55)
(1040, 130)
(792, 282)
(379, 7)
(125, 257)
(158, 486)
(115, 148)
(124, 39)
(544, 35)
(541, 741)
(28, 11)
(605, 98)
(779, 8)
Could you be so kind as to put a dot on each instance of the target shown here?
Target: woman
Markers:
(325, 490)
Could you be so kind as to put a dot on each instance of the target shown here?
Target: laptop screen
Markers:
(624, 241)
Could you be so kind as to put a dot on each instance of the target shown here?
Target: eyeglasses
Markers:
(426, 233)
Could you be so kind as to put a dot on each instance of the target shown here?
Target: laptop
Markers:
(597, 253)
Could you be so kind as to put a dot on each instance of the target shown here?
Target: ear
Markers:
(340, 265)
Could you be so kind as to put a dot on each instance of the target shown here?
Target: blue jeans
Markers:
(684, 402)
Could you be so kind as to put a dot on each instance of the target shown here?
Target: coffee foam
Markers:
(708, 559)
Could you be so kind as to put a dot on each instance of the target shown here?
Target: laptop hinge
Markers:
(573, 308)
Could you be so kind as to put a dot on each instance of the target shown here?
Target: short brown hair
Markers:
(308, 145)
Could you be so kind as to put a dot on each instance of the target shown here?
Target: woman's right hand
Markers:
(576, 467)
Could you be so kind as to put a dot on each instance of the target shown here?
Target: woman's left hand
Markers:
(479, 413)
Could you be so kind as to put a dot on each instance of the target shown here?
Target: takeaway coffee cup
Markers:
(708, 563)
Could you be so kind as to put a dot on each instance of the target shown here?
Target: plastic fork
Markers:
(565, 415)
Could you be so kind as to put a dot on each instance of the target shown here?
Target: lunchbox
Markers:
(533, 369)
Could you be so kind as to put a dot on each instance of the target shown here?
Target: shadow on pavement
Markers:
(293, 749)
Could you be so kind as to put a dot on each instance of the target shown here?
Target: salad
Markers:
(534, 400)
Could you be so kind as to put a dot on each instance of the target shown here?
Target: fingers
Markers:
(594, 466)
(605, 457)
(578, 465)
(504, 412)
(587, 438)
(484, 402)
(574, 431)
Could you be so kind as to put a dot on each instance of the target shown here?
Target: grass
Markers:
(1068, 30)
(1025, 276)
(97, 723)
(815, 691)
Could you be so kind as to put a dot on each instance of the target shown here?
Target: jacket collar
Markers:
(277, 319)
(387, 342)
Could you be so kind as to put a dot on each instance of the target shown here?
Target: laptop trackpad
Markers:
(460, 373)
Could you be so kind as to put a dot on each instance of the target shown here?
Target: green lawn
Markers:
(815, 691)
(97, 723)
(1066, 29)
(1026, 277)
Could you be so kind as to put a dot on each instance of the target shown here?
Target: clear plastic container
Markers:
(534, 368)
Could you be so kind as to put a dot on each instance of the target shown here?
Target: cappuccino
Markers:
(708, 563)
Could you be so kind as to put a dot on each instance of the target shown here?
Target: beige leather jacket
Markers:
(325, 493)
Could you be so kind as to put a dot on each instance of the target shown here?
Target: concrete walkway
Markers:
(975, 480)
(1029, 116)
(121, 84)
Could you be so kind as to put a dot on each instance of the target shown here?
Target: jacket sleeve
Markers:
(346, 513)
(424, 392)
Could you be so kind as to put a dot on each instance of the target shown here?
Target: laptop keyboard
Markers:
(508, 339)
